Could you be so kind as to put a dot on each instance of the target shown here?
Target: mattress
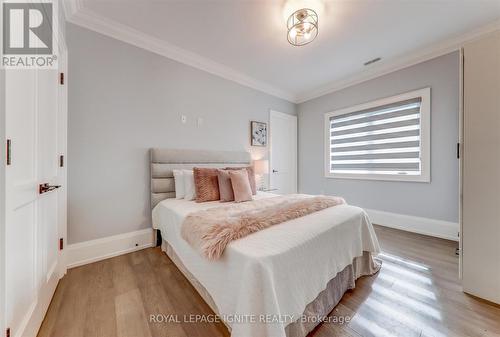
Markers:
(264, 282)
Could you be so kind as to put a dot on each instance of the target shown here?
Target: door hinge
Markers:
(7, 332)
(61, 78)
(61, 244)
(61, 161)
(458, 150)
(9, 154)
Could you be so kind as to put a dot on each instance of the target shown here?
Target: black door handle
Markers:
(44, 188)
(275, 171)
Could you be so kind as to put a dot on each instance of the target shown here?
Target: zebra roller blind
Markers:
(382, 138)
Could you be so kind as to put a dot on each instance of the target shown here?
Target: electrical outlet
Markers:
(184, 119)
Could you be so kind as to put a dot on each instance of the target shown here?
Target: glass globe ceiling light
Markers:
(302, 27)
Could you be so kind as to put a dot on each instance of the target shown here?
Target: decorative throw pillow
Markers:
(251, 176)
(179, 184)
(241, 185)
(225, 187)
(206, 184)
(189, 191)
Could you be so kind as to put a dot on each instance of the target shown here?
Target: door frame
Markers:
(62, 144)
(2, 201)
(295, 141)
(460, 159)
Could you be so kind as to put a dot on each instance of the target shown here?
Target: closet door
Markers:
(481, 168)
(32, 211)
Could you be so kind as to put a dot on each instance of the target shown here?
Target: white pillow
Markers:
(190, 192)
(179, 184)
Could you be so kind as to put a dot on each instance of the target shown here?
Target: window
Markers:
(388, 139)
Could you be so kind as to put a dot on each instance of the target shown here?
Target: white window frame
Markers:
(425, 137)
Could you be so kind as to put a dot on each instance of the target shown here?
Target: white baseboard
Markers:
(95, 250)
(438, 228)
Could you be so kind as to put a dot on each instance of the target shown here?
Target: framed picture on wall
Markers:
(258, 133)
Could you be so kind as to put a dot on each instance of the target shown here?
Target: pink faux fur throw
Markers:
(211, 230)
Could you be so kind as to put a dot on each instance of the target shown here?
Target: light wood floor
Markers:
(416, 293)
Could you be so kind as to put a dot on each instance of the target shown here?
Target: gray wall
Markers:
(435, 200)
(124, 100)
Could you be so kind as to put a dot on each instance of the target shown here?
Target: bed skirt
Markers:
(320, 307)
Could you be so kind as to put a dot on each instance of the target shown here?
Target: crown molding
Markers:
(391, 65)
(71, 7)
(78, 15)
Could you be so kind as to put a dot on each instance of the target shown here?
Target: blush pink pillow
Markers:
(241, 185)
(251, 176)
(225, 187)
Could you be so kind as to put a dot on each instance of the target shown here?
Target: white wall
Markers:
(124, 100)
(436, 200)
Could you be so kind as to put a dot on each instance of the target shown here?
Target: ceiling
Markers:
(249, 36)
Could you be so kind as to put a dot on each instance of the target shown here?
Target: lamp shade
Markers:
(261, 166)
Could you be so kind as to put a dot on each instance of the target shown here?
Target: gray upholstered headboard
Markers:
(163, 161)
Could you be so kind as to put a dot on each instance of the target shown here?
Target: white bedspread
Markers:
(276, 271)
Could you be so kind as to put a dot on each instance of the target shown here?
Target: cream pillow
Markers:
(179, 184)
(189, 190)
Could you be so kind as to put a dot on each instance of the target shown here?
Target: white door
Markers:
(32, 238)
(283, 152)
(481, 168)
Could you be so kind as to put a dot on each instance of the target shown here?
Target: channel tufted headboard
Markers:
(163, 161)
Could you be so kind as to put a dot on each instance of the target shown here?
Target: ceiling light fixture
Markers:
(302, 27)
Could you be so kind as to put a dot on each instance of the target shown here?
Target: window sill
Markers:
(383, 177)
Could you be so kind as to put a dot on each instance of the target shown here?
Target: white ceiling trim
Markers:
(71, 7)
(78, 15)
(395, 64)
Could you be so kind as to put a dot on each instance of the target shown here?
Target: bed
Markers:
(280, 281)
